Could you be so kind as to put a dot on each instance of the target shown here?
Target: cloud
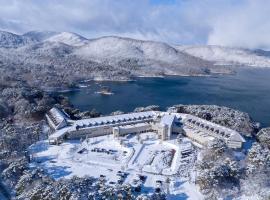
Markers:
(245, 25)
(224, 22)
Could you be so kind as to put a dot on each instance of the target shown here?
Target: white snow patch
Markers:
(68, 38)
(144, 155)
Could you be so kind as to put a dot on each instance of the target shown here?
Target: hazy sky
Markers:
(244, 23)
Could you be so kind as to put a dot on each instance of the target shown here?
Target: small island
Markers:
(105, 91)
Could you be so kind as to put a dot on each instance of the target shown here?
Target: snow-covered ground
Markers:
(142, 155)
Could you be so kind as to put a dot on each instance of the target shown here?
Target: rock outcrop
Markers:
(264, 137)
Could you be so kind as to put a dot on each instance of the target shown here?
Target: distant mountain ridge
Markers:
(221, 55)
(71, 39)
(67, 57)
(40, 35)
(118, 47)
(11, 40)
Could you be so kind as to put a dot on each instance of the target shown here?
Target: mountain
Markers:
(40, 36)
(229, 56)
(48, 49)
(114, 49)
(11, 40)
(261, 52)
(118, 48)
(68, 38)
(148, 58)
(62, 58)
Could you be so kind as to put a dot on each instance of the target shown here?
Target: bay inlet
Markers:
(248, 90)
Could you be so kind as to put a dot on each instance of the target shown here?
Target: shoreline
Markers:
(80, 84)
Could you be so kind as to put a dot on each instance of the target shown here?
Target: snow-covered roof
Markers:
(203, 137)
(167, 119)
(215, 128)
(185, 146)
(206, 130)
(101, 121)
(56, 115)
(59, 133)
(114, 119)
(133, 125)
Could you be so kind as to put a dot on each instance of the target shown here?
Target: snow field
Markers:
(135, 156)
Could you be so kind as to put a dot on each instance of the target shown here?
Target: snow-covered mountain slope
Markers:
(228, 56)
(116, 47)
(123, 48)
(51, 49)
(149, 58)
(11, 40)
(65, 57)
(40, 35)
(113, 49)
(68, 38)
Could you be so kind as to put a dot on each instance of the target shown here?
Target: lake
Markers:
(247, 90)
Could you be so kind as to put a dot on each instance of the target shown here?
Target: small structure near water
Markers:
(105, 91)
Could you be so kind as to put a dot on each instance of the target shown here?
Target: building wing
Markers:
(57, 119)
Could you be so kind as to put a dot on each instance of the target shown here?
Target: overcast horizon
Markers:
(241, 23)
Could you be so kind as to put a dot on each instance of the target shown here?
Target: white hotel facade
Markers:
(163, 123)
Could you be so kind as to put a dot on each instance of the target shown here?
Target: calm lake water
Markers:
(247, 90)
